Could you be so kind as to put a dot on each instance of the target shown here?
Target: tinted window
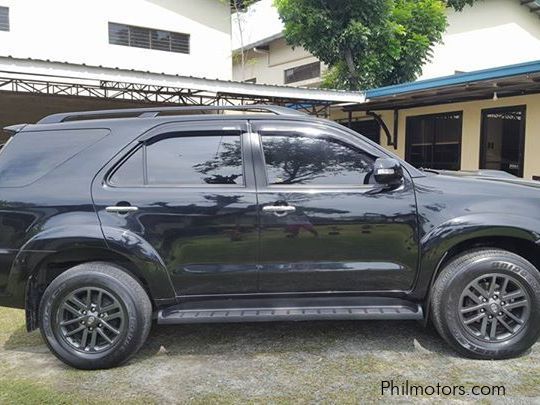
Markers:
(212, 158)
(31, 155)
(292, 159)
(131, 172)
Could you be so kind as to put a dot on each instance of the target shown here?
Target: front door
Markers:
(325, 225)
(192, 200)
(503, 139)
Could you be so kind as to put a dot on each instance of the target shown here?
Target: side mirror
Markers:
(387, 171)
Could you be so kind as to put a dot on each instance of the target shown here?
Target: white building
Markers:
(268, 58)
(185, 37)
(71, 55)
(491, 33)
(75, 55)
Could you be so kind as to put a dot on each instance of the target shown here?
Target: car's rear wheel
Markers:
(95, 315)
(486, 304)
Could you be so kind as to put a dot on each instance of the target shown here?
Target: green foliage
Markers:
(241, 5)
(458, 5)
(365, 43)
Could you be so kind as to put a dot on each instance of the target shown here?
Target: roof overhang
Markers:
(257, 44)
(497, 82)
(99, 76)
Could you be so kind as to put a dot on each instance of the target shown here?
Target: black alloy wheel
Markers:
(91, 319)
(494, 307)
(486, 303)
(95, 315)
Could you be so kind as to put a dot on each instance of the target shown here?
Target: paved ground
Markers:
(325, 362)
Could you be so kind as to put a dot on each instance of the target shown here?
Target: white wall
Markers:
(489, 34)
(76, 31)
(269, 68)
(258, 22)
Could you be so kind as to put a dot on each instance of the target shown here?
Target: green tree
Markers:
(366, 43)
(458, 5)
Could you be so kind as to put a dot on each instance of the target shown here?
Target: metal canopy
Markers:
(498, 82)
(66, 79)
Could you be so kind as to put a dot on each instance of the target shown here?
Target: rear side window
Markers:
(31, 155)
(130, 173)
(184, 159)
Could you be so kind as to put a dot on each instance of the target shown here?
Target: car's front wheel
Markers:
(486, 304)
(95, 315)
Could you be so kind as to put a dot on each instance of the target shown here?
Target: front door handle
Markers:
(119, 209)
(279, 210)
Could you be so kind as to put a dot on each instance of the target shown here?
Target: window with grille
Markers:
(4, 19)
(139, 37)
(304, 72)
(434, 141)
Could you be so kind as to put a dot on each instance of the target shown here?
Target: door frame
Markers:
(523, 109)
(261, 179)
(263, 188)
(194, 126)
(100, 185)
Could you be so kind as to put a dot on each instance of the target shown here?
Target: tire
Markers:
(98, 336)
(459, 311)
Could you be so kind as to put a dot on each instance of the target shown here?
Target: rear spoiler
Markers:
(13, 129)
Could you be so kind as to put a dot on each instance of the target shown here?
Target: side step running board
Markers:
(390, 312)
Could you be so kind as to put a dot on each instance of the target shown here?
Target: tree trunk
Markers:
(351, 66)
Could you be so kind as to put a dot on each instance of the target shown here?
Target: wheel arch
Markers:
(153, 281)
(515, 233)
(526, 248)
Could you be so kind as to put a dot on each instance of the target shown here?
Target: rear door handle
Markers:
(279, 210)
(121, 209)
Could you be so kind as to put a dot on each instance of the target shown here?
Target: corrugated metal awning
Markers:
(69, 73)
(505, 81)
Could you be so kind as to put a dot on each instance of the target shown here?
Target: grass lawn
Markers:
(323, 362)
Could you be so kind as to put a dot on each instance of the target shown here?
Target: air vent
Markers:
(139, 37)
(4, 19)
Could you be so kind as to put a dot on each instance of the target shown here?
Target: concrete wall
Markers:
(470, 148)
(491, 33)
(269, 68)
(77, 32)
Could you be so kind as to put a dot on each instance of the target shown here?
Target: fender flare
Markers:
(435, 245)
(147, 264)
(148, 260)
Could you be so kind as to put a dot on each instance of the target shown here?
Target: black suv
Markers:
(110, 219)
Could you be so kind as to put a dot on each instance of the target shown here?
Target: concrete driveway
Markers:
(323, 362)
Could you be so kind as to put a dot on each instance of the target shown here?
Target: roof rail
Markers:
(152, 112)
(13, 129)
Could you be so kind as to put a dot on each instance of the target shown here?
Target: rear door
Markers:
(188, 190)
(325, 225)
